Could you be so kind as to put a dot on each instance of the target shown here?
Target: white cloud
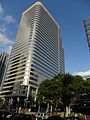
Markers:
(9, 19)
(5, 43)
(83, 74)
(1, 9)
(4, 40)
(3, 29)
(8, 49)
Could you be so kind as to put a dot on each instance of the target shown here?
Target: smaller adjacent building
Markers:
(3, 64)
(87, 30)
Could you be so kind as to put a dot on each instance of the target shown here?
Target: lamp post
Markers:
(27, 95)
(26, 85)
(10, 103)
(28, 91)
(85, 114)
(17, 104)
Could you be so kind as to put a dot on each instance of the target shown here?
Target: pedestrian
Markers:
(33, 117)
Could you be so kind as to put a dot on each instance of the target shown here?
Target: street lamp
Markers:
(10, 103)
(85, 111)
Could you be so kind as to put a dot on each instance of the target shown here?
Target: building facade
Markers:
(87, 30)
(62, 63)
(3, 64)
(37, 53)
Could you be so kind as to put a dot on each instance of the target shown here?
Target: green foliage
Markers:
(66, 89)
(77, 114)
(62, 89)
(49, 90)
(73, 86)
(73, 115)
(59, 114)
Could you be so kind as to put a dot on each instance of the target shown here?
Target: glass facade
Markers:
(3, 64)
(87, 30)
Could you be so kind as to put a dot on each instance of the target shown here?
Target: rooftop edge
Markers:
(39, 3)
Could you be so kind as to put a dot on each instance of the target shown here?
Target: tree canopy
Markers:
(64, 89)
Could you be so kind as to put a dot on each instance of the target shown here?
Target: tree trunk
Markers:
(68, 110)
(47, 108)
(56, 108)
(51, 109)
(38, 106)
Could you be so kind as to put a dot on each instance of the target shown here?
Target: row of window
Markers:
(44, 59)
(47, 39)
(43, 71)
(44, 66)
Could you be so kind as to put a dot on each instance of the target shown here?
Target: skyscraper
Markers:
(3, 64)
(37, 53)
(87, 30)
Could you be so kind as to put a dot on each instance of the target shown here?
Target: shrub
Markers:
(78, 115)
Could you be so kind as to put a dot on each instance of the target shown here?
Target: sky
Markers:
(69, 14)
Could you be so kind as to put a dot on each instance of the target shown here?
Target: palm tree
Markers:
(2, 100)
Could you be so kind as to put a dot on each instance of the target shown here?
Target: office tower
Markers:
(36, 54)
(62, 64)
(3, 64)
(87, 30)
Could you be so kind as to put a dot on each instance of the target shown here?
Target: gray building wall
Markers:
(3, 64)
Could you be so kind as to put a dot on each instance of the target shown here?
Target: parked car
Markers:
(54, 118)
(16, 116)
(21, 116)
(66, 118)
(4, 114)
(72, 118)
(41, 116)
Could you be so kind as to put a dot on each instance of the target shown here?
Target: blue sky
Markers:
(69, 14)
